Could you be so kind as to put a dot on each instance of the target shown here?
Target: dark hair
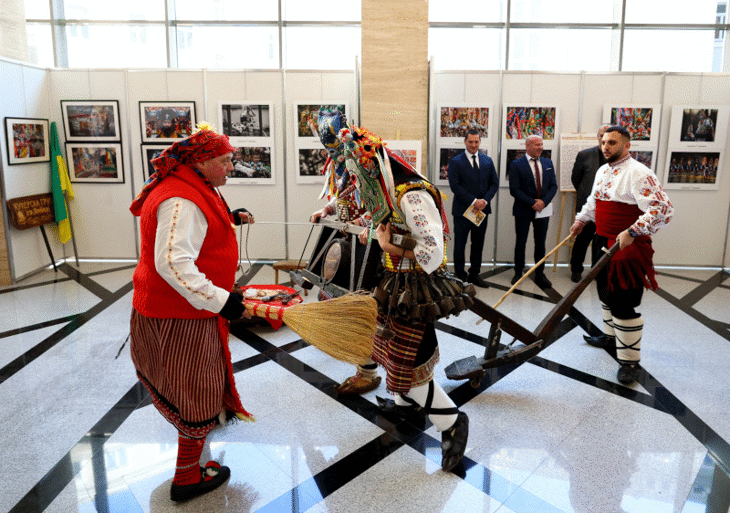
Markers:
(472, 131)
(621, 130)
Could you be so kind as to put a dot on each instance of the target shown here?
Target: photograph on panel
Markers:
(167, 120)
(521, 122)
(455, 121)
(246, 120)
(91, 120)
(98, 162)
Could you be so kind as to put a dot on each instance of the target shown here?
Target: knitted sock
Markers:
(187, 469)
(607, 320)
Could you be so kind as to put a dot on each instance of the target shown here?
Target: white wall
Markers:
(24, 93)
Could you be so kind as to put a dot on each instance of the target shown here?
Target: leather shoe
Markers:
(627, 374)
(410, 412)
(453, 442)
(476, 280)
(602, 341)
(542, 281)
(213, 474)
(576, 277)
(462, 276)
(516, 278)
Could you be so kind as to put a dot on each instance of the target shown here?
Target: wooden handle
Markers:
(565, 240)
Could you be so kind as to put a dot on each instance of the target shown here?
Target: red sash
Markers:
(631, 267)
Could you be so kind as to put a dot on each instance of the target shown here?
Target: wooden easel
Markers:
(560, 224)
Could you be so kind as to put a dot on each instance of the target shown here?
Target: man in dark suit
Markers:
(472, 179)
(533, 184)
(586, 164)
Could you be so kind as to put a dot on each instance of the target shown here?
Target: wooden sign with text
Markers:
(31, 211)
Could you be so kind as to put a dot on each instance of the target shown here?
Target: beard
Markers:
(613, 157)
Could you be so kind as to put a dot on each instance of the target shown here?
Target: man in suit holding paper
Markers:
(533, 184)
(473, 180)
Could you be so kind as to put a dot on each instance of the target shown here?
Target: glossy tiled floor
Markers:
(555, 434)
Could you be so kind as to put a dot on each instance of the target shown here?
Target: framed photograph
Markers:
(149, 152)
(95, 162)
(310, 161)
(697, 169)
(698, 127)
(444, 155)
(91, 120)
(410, 151)
(514, 154)
(524, 120)
(455, 120)
(166, 120)
(240, 119)
(306, 117)
(252, 165)
(27, 140)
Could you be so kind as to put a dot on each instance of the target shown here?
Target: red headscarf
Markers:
(203, 145)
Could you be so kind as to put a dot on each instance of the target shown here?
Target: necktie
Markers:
(474, 162)
(538, 182)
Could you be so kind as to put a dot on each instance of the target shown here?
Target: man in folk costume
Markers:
(344, 205)
(183, 302)
(416, 289)
(628, 205)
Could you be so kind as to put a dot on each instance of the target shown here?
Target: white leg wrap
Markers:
(368, 373)
(440, 400)
(608, 327)
(628, 339)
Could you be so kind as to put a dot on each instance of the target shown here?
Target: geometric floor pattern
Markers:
(557, 433)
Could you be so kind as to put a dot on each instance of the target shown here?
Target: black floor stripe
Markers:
(53, 339)
(696, 295)
(39, 326)
(59, 279)
(83, 280)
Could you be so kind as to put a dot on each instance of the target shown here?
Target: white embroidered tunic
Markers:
(629, 181)
(181, 229)
(423, 220)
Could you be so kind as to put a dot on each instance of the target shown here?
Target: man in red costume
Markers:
(628, 206)
(183, 302)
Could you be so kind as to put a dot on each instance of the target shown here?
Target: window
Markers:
(560, 49)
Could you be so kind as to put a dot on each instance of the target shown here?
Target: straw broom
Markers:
(342, 327)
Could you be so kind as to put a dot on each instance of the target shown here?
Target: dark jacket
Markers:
(586, 164)
(523, 188)
(469, 184)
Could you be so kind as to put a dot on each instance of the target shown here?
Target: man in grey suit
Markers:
(533, 184)
(472, 179)
(586, 164)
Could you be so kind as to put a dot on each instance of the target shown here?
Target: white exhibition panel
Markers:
(25, 95)
(105, 228)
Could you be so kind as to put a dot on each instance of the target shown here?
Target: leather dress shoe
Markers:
(516, 278)
(476, 280)
(576, 277)
(542, 281)
(627, 374)
(602, 341)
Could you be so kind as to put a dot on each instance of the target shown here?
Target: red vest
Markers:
(218, 258)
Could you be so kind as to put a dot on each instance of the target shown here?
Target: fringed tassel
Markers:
(231, 399)
(632, 267)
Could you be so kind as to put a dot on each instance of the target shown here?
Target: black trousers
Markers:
(623, 302)
(580, 247)
(539, 232)
(463, 228)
